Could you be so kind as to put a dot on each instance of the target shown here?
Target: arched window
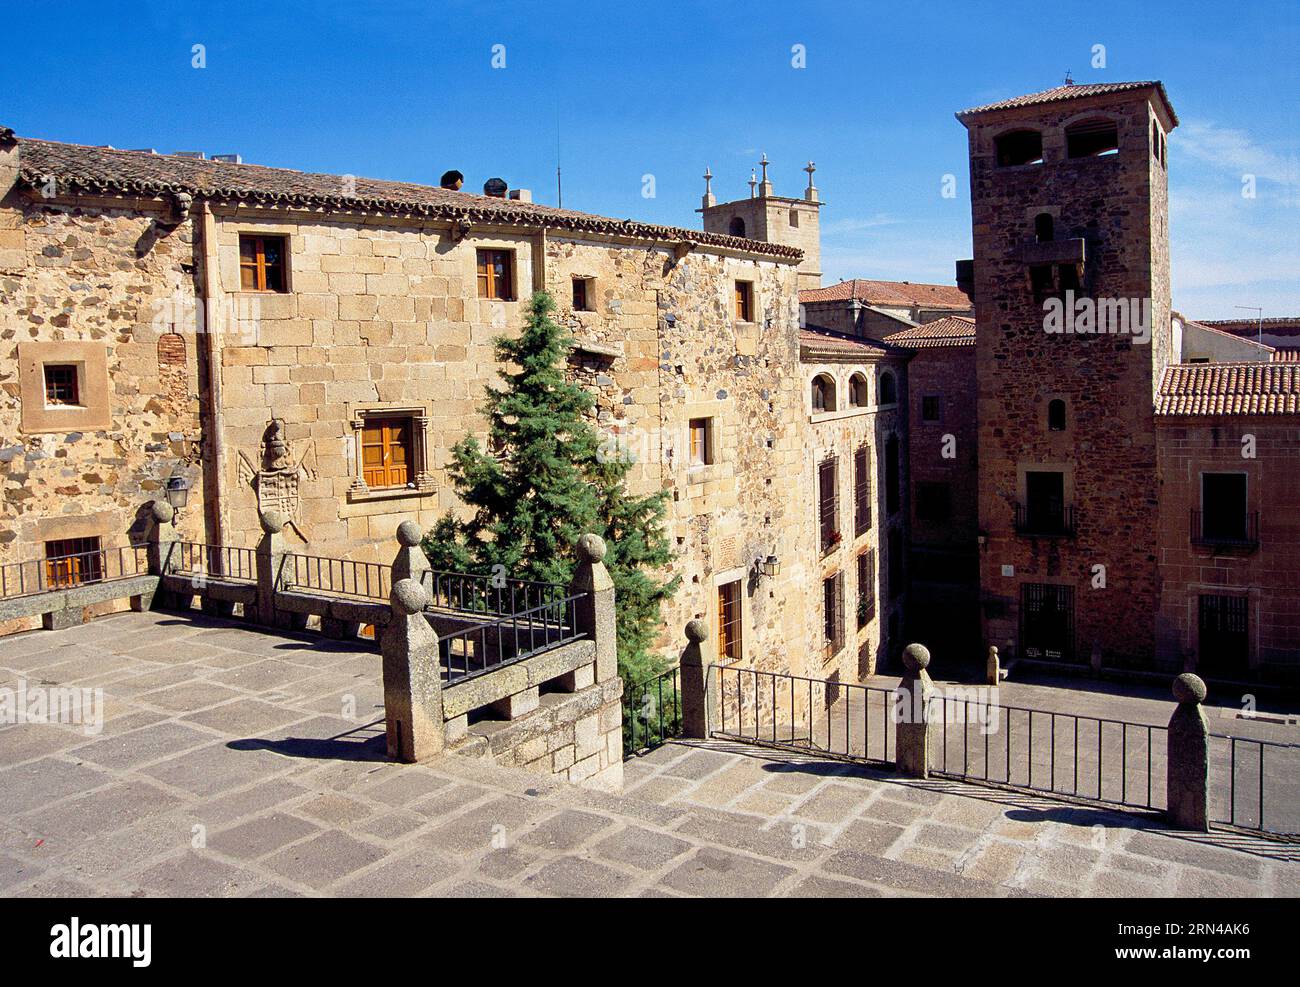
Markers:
(1019, 147)
(1091, 139)
(737, 226)
(823, 393)
(1044, 227)
(857, 391)
(1056, 415)
(888, 389)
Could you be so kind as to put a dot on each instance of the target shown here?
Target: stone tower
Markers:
(772, 219)
(1071, 274)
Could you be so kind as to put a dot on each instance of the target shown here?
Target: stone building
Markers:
(875, 309)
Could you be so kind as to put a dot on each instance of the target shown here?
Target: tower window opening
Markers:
(1092, 139)
(1019, 147)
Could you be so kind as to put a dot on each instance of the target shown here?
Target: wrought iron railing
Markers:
(471, 593)
(77, 569)
(492, 644)
(1242, 532)
(334, 577)
(199, 561)
(1255, 784)
(1089, 757)
(818, 716)
(1045, 524)
(652, 712)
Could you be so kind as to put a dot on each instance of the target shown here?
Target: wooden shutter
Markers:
(386, 459)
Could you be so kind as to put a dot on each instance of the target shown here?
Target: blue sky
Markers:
(406, 89)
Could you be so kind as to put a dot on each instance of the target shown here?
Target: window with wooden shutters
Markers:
(582, 294)
(730, 625)
(744, 301)
(387, 458)
(701, 441)
(866, 587)
(496, 278)
(861, 491)
(833, 611)
(828, 502)
(262, 263)
(73, 561)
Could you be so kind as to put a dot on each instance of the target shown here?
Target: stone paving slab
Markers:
(208, 782)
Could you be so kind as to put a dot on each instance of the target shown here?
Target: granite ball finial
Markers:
(916, 657)
(1189, 688)
(591, 548)
(409, 596)
(273, 522)
(697, 631)
(409, 534)
(163, 512)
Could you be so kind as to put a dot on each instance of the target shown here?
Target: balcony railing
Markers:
(1218, 531)
(59, 572)
(1045, 524)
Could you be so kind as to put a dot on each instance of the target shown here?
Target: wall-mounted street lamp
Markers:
(178, 492)
(769, 566)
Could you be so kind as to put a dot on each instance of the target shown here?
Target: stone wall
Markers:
(105, 286)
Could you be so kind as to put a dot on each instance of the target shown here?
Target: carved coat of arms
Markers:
(276, 478)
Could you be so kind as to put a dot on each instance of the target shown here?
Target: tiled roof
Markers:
(1230, 389)
(1249, 327)
(1288, 354)
(818, 342)
(890, 293)
(1071, 92)
(953, 330)
(101, 170)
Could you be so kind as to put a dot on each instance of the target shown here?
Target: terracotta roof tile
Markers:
(1247, 328)
(815, 341)
(101, 170)
(952, 330)
(1230, 389)
(1076, 91)
(890, 293)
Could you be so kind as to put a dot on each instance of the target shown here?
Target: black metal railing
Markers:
(804, 714)
(62, 572)
(335, 577)
(199, 561)
(1088, 757)
(1216, 531)
(1045, 523)
(489, 645)
(471, 593)
(1255, 784)
(652, 712)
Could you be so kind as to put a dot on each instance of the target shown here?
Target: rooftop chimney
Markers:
(495, 187)
(521, 195)
(451, 180)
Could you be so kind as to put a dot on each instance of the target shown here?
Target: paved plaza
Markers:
(239, 763)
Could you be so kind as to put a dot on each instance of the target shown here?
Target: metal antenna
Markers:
(559, 184)
(1259, 326)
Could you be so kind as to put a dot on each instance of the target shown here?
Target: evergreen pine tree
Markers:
(548, 478)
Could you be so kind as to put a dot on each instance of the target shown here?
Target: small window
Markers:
(1019, 147)
(1040, 280)
(744, 301)
(701, 441)
(857, 391)
(866, 587)
(833, 611)
(737, 227)
(828, 502)
(1091, 139)
(62, 384)
(262, 263)
(823, 393)
(73, 561)
(1223, 505)
(933, 502)
(387, 453)
(582, 295)
(1068, 277)
(1056, 415)
(794, 219)
(496, 274)
(730, 625)
(1044, 227)
(1155, 140)
(888, 389)
(930, 408)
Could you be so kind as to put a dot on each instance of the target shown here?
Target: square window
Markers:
(730, 625)
(387, 452)
(262, 263)
(73, 561)
(496, 274)
(930, 408)
(866, 587)
(62, 384)
(582, 295)
(833, 611)
(828, 502)
(744, 301)
(701, 430)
